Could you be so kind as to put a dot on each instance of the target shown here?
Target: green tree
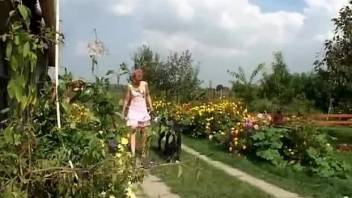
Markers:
(149, 61)
(178, 78)
(336, 65)
(244, 87)
(276, 84)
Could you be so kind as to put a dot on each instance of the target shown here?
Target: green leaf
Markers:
(26, 49)
(24, 102)
(17, 40)
(11, 137)
(14, 63)
(16, 88)
(17, 139)
(8, 50)
(8, 135)
(23, 11)
(33, 61)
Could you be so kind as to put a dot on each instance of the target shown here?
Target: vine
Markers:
(36, 158)
(23, 50)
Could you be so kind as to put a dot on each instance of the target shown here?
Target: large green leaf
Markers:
(24, 11)
(8, 135)
(14, 63)
(26, 49)
(16, 88)
(8, 50)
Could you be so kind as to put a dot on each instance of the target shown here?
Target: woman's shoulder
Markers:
(144, 83)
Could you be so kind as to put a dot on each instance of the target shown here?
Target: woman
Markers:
(136, 109)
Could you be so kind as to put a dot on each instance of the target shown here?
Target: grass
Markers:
(198, 179)
(288, 179)
(341, 134)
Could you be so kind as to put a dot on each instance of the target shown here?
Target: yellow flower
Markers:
(124, 141)
(118, 155)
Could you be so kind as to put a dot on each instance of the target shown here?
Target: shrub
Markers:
(303, 146)
(267, 144)
(87, 157)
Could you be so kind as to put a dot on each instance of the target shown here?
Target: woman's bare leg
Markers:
(144, 132)
(133, 142)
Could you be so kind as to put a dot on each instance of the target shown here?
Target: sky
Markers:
(221, 34)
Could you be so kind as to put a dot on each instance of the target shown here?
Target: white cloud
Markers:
(220, 25)
(184, 8)
(223, 33)
(331, 6)
(228, 32)
(124, 7)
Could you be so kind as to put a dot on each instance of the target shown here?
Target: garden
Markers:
(297, 156)
(262, 125)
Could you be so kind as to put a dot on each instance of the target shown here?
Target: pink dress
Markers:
(138, 116)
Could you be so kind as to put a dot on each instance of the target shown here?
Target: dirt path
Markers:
(258, 183)
(154, 187)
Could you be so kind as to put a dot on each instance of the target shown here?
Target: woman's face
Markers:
(138, 76)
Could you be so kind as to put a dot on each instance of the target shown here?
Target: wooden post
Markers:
(57, 48)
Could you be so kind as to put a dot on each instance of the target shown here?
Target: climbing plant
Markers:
(23, 50)
(36, 158)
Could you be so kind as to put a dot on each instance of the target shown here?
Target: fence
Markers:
(332, 119)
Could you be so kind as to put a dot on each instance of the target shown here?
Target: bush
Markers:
(300, 146)
(303, 146)
(267, 144)
(87, 157)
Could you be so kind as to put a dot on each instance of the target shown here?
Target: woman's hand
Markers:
(151, 109)
(124, 114)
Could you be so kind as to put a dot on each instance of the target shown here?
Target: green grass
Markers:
(200, 180)
(288, 179)
(342, 134)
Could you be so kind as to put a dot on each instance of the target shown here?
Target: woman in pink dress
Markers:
(136, 108)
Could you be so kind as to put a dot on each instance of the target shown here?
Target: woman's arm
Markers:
(127, 101)
(149, 99)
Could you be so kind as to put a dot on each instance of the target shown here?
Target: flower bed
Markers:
(298, 145)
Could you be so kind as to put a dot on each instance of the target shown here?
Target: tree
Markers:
(336, 65)
(178, 78)
(276, 84)
(244, 87)
(149, 61)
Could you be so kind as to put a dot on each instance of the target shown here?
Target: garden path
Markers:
(153, 187)
(258, 183)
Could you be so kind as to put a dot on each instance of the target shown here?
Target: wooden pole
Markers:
(57, 48)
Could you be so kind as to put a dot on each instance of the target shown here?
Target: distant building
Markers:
(43, 14)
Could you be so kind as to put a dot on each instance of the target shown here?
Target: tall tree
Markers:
(244, 87)
(178, 77)
(276, 84)
(336, 65)
(149, 61)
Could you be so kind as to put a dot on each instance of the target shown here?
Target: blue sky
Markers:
(277, 5)
(221, 34)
